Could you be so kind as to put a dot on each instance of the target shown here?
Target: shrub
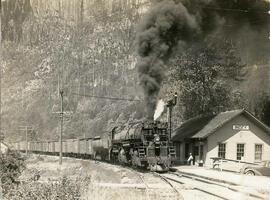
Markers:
(62, 189)
(11, 166)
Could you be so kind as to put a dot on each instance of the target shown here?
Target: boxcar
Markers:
(76, 147)
(31, 146)
(64, 148)
(38, 146)
(100, 147)
(51, 147)
(89, 147)
(44, 147)
(56, 147)
(70, 148)
(82, 147)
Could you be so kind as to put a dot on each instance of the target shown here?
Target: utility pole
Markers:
(61, 113)
(61, 127)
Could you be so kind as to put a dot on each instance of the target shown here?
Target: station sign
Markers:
(241, 127)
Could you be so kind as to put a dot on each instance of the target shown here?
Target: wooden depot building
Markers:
(236, 135)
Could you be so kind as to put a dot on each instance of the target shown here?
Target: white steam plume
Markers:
(159, 109)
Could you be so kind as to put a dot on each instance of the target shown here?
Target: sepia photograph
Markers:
(135, 100)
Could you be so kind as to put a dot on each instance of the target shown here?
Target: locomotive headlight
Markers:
(157, 139)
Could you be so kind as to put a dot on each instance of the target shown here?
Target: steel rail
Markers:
(204, 180)
(165, 179)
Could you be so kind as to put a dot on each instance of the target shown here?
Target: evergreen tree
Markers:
(206, 77)
(262, 108)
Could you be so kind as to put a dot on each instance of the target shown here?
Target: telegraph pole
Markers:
(61, 126)
(61, 113)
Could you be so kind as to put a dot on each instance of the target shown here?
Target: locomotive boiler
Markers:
(139, 144)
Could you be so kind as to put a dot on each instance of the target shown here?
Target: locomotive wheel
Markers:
(133, 163)
(113, 157)
(122, 157)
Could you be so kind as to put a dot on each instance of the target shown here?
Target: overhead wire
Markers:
(110, 98)
(236, 10)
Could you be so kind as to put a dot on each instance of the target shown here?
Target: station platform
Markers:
(261, 183)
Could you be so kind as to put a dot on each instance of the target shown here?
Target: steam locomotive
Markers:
(140, 144)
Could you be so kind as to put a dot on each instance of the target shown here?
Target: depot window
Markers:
(221, 150)
(240, 151)
(258, 152)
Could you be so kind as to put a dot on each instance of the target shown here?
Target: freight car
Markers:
(139, 144)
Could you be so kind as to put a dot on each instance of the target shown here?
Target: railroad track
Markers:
(142, 180)
(154, 189)
(213, 188)
(165, 179)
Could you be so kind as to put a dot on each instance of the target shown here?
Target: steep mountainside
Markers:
(85, 48)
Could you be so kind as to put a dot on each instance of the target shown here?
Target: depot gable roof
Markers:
(202, 126)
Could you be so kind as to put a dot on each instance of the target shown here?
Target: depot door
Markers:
(195, 154)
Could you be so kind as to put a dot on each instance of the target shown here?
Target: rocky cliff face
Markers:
(84, 47)
(75, 11)
(15, 12)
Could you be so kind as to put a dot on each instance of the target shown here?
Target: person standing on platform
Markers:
(190, 159)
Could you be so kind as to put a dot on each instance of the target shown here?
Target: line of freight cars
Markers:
(81, 148)
(141, 144)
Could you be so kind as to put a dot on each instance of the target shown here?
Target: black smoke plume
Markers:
(166, 24)
(246, 23)
(172, 22)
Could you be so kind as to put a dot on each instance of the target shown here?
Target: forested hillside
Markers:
(84, 48)
(88, 48)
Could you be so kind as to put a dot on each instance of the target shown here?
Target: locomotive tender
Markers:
(139, 144)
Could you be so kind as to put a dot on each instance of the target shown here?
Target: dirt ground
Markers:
(105, 181)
